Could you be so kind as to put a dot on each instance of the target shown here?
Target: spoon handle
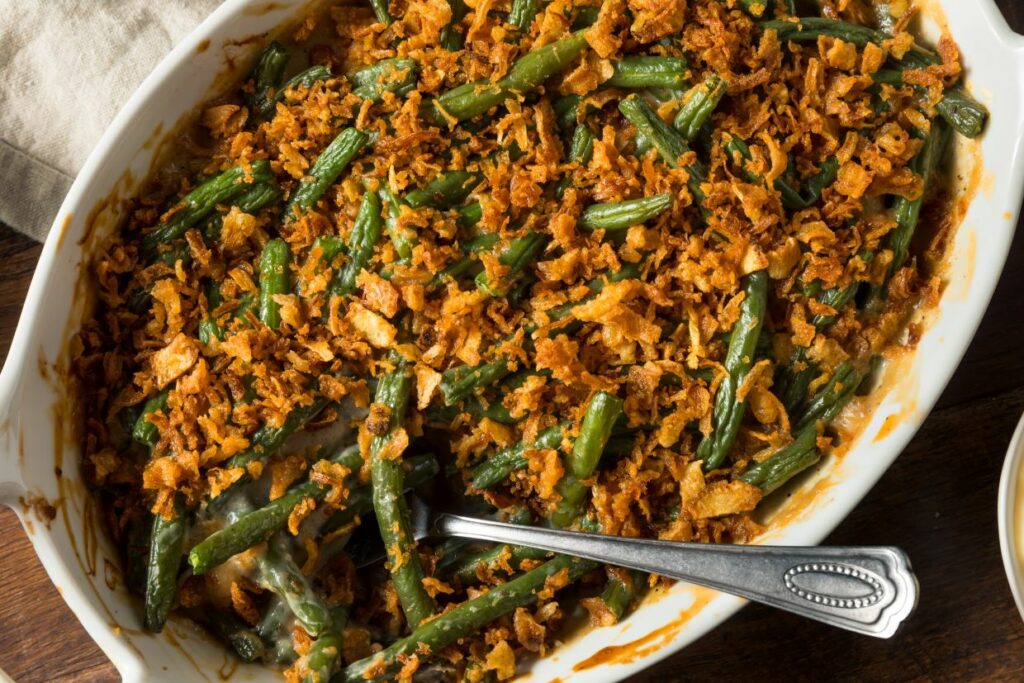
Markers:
(869, 590)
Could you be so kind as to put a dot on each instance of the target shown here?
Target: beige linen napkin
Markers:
(66, 67)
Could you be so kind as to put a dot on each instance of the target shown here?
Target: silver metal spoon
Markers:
(868, 590)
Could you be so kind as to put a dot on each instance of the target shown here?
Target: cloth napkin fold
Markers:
(66, 67)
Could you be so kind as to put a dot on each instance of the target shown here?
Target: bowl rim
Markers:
(1011, 490)
(716, 611)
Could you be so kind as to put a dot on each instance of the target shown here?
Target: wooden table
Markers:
(938, 502)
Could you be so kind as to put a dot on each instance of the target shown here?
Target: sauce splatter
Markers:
(64, 225)
(653, 641)
(264, 8)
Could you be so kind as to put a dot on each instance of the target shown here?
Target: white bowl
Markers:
(39, 452)
(1010, 510)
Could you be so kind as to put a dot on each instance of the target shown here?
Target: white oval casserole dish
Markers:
(39, 453)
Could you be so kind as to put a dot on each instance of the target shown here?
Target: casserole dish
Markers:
(38, 447)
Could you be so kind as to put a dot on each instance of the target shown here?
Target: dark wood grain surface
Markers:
(938, 502)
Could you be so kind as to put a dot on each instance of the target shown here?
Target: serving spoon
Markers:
(865, 589)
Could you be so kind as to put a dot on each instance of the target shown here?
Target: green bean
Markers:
(144, 431)
(642, 145)
(832, 398)
(460, 382)
(790, 198)
(451, 39)
(790, 460)
(268, 439)
(499, 466)
(403, 242)
(664, 138)
(908, 211)
(527, 74)
(473, 406)
(267, 76)
(470, 214)
(208, 329)
(323, 657)
(389, 503)
(325, 249)
(279, 574)
(465, 569)
(252, 200)
(166, 546)
(699, 103)
(139, 301)
(825, 176)
(785, 463)
(581, 150)
(382, 11)
(793, 380)
(519, 255)
(602, 412)
(838, 297)
(465, 619)
(809, 29)
(419, 469)
(327, 168)
(621, 590)
(523, 13)
(176, 251)
(203, 200)
(260, 524)
(304, 79)
(520, 291)
(468, 264)
(585, 17)
(275, 277)
(445, 191)
(531, 70)
(476, 407)
(269, 629)
(246, 302)
(244, 640)
(728, 411)
(365, 234)
(567, 111)
(648, 71)
(396, 75)
(621, 215)
(962, 112)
